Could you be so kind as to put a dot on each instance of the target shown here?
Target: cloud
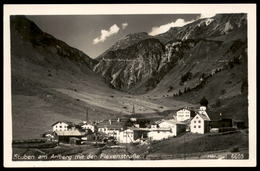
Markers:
(124, 25)
(178, 23)
(207, 15)
(164, 28)
(114, 29)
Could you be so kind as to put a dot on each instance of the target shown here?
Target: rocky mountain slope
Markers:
(207, 57)
(139, 62)
(218, 26)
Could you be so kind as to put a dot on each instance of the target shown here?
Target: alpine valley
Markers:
(157, 74)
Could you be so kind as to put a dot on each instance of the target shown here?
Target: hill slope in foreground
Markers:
(52, 81)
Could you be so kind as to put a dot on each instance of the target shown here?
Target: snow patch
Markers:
(186, 36)
(208, 21)
(176, 43)
(114, 76)
(228, 27)
(95, 67)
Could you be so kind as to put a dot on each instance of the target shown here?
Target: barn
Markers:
(69, 136)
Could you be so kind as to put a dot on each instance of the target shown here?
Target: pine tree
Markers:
(204, 102)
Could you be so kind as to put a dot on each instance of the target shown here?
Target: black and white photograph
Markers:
(168, 84)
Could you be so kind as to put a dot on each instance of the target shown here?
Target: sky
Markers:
(93, 34)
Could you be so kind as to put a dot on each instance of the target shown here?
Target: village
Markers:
(140, 131)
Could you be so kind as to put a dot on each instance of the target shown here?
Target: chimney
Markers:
(109, 121)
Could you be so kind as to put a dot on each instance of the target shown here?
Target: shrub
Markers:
(218, 103)
(204, 101)
(231, 64)
(235, 149)
(186, 77)
(244, 86)
(170, 88)
(237, 60)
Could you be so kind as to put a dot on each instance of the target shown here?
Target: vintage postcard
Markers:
(126, 85)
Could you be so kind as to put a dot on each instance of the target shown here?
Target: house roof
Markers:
(204, 117)
(67, 122)
(82, 124)
(186, 121)
(185, 107)
(139, 129)
(113, 125)
(171, 121)
(69, 133)
(160, 129)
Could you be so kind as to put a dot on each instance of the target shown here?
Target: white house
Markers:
(184, 114)
(167, 123)
(133, 119)
(66, 136)
(175, 126)
(61, 126)
(200, 123)
(126, 136)
(153, 126)
(159, 134)
(166, 129)
(110, 128)
(86, 126)
(110, 131)
(136, 125)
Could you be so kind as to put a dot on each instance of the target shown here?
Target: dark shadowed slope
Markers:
(41, 67)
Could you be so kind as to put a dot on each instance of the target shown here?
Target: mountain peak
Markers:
(139, 34)
(130, 39)
(26, 31)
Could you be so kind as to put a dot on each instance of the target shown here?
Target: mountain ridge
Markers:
(214, 29)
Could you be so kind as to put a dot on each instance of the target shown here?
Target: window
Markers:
(194, 121)
(199, 121)
(197, 117)
(194, 126)
(199, 126)
(60, 126)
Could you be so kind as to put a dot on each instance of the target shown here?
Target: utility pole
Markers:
(87, 114)
(133, 112)
(184, 156)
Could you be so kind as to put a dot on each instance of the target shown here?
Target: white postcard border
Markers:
(104, 9)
